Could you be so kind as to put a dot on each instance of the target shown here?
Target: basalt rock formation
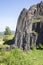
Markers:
(29, 30)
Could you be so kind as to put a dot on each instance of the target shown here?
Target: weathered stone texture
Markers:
(24, 35)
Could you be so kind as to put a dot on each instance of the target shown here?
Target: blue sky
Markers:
(10, 10)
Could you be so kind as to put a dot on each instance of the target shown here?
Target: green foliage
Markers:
(7, 31)
(36, 21)
(18, 57)
(40, 46)
(4, 46)
(33, 47)
(8, 37)
(35, 33)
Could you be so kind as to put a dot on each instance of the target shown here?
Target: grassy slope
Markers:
(18, 57)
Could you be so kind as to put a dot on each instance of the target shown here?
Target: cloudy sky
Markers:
(10, 10)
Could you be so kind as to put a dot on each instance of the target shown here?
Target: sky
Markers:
(10, 10)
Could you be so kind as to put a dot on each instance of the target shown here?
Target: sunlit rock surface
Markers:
(29, 30)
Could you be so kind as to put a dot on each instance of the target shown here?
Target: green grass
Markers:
(18, 57)
(3, 46)
(36, 21)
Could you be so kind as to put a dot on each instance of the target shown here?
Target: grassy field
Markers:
(19, 57)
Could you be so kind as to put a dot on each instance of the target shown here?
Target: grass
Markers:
(19, 57)
(36, 21)
(3, 46)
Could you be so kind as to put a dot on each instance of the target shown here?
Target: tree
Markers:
(7, 31)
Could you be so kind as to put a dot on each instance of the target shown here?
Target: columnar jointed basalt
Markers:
(28, 27)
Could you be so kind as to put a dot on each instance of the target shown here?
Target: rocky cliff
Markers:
(29, 30)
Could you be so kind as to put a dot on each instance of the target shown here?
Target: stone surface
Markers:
(27, 33)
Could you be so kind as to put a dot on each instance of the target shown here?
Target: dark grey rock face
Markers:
(28, 33)
(24, 27)
(40, 8)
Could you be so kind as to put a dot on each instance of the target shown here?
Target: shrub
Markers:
(36, 21)
(7, 31)
(40, 46)
(8, 37)
(33, 47)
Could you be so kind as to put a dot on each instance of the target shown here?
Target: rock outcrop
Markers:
(29, 30)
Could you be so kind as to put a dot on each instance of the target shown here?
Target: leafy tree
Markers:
(7, 31)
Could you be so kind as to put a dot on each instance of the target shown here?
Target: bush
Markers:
(33, 47)
(8, 37)
(7, 31)
(36, 21)
(40, 46)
